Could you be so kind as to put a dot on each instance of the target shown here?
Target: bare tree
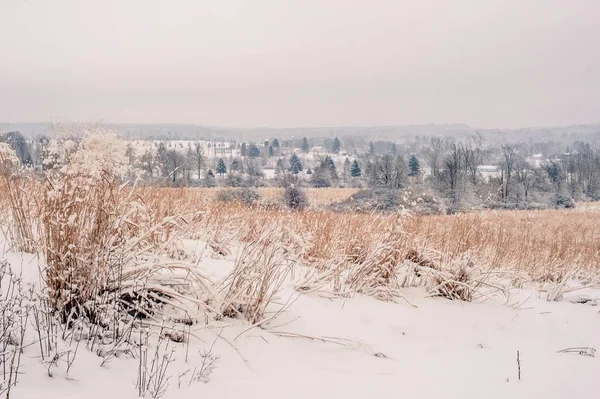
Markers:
(509, 157)
(199, 159)
(453, 175)
(473, 153)
(387, 171)
(434, 155)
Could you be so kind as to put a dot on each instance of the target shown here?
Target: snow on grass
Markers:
(359, 347)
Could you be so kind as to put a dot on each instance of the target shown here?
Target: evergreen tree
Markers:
(253, 151)
(355, 169)
(221, 168)
(554, 172)
(371, 148)
(148, 162)
(324, 173)
(328, 164)
(336, 146)
(414, 166)
(17, 142)
(309, 171)
(394, 149)
(275, 143)
(270, 152)
(295, 164)
(305, 146)
(244, 150)
(235, 166)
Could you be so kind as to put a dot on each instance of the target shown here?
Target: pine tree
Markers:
(355, 169)
(371, 148)
(17, 142)
(327, 163)
(336, 146)
(305, 146)
(235, 166)
(394, 149)
(275, 143)
(244, 150)
(253, 151)
(270, 152)
(295, 164)
(414, 166)
(221, 168)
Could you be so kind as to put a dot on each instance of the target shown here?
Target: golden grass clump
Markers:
(261, 268)
(19, 223)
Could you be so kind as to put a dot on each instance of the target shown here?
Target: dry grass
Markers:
(528, 241)
(372, 253)
(336, 253)
(541, 244)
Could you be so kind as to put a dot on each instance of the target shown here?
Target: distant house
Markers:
(318, 150)
(535, 160)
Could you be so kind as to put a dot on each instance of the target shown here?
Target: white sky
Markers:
(488, 63)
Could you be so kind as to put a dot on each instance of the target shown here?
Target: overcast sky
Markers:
(284, 63)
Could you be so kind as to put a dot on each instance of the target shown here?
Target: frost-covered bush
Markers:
(246, 195)
(375, 199)
(563, 201)
(100, 151)
(295, 198)
(235, 180)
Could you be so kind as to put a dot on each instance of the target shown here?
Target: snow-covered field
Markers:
(155, 293)
(357, 347)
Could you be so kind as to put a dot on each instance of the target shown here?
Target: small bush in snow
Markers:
(245, 195)
(563, 201)
(295, 198)
(376, 199)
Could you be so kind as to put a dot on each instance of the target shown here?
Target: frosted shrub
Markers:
(245, 195)
(105, 251)
(295, 198)
(81, 210)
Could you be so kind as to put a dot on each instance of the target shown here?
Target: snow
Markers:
(421, 347)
